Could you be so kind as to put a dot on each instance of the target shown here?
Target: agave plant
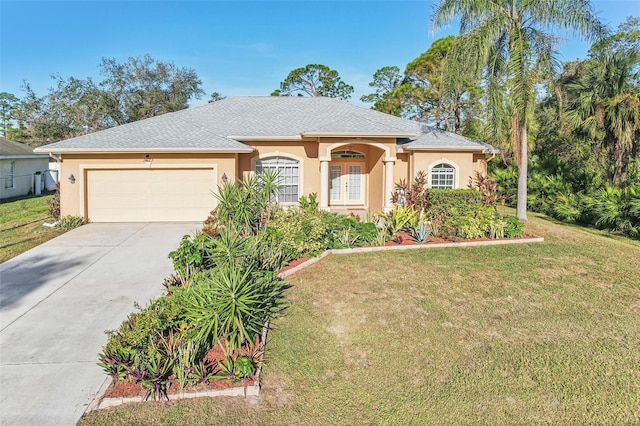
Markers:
(421, 232)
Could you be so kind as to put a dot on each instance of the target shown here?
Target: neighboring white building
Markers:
(18, 167)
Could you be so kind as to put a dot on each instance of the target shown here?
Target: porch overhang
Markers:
(356, 135)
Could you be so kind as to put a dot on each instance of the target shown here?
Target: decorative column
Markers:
(388, 182)
(324, 183)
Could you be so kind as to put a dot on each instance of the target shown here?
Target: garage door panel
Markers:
(158, 195)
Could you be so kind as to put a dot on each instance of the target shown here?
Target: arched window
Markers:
(347, 154)
(288, 177)
(443, 176)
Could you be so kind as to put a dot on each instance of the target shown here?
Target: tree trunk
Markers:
(521, 207)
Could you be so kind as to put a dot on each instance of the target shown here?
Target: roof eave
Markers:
(266, 138)
(21, 156)
(147, 150)
(445, 148)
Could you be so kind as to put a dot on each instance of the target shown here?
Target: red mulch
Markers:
(128, 388)
(293, 264)
(214, 354)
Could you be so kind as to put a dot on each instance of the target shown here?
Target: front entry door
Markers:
(346, 184)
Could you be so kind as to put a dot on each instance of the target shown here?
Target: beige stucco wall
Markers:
(465, 164)
(24, 171)
(309, 153)
(305, 152)
(73, 195)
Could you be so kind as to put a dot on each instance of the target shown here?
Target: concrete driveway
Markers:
(57, 300)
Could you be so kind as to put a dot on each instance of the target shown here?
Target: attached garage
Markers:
(150, 195)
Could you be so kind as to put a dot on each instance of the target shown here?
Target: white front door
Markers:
(346, 184)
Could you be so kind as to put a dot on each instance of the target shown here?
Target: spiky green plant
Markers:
(231, 305)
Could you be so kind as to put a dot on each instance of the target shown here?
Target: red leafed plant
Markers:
(488, 189)
(415, 194)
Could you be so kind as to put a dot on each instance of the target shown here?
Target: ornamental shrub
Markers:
(513, 227)
(452, 202)
(299, 233)
(462, 214)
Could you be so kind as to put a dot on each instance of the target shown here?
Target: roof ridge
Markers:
(360, 117)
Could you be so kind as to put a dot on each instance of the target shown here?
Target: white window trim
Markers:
(456, 171)
(288, 156)
(360, 156)
(11, 176)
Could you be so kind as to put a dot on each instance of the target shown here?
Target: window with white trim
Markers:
(347, 154)
(9, 171)
(288, 171)
(443, 176)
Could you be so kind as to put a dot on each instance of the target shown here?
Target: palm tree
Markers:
(605, 105)
(509, 41)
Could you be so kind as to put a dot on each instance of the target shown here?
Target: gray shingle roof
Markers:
(437, 139)
(167, 132)
(11, 149)
(272, 116)
(221, 126)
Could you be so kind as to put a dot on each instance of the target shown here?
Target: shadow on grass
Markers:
(20, 225)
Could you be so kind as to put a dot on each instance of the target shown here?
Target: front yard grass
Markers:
(21, 225)
(513, 334)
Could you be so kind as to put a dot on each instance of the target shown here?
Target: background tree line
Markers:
(133, 90)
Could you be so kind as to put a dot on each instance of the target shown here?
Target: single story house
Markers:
(166, 168)
(18, 168)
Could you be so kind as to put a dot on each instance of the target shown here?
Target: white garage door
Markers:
(157, 195)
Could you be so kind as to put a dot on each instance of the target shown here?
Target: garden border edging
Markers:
(100, 403)
(326, 253)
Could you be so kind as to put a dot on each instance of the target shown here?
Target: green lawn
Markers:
(515, 334)
(21, 225)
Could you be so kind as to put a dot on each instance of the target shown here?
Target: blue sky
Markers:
(236, 47)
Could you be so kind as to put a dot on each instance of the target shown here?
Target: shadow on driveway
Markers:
(57, 299)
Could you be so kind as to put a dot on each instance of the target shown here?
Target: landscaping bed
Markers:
(208, 331)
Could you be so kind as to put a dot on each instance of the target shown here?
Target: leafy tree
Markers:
(314, 80)
(508, 41)
(71, 108)
(625, 40)
(143, 87)
(137, 89)
(215, 96)
(38, 120)
(386, 81)
(420, 93)
(444, 101)
(8, 103)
